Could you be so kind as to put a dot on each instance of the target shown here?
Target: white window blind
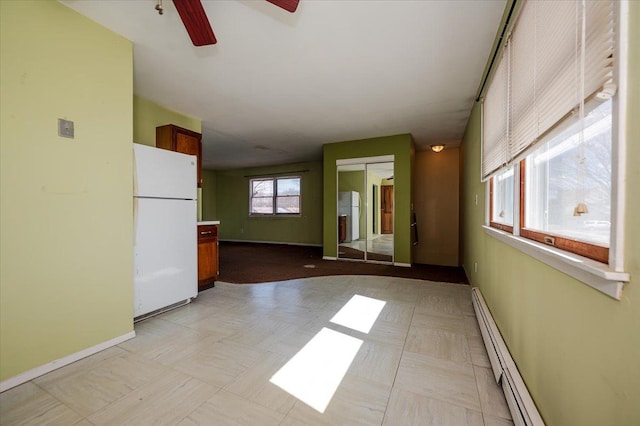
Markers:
(559, 54)
(494, 141)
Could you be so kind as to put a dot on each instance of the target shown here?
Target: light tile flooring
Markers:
(210, 362)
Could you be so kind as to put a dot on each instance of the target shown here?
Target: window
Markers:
(275, 196)
(547, 127)
(554, 116)
(501, 195)
(567, 188)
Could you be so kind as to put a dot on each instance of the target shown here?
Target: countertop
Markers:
(209, 222)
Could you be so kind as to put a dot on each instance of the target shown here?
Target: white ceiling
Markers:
(277, 86)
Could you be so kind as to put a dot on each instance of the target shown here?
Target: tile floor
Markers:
(210, 362)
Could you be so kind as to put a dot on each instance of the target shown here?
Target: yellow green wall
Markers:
(403, 148)
(209, 196)
(577, 349)
(147, 115)
(232, 205)
(65, 206)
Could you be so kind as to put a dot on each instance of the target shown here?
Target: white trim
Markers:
(366, 160)
(404, 265)
(270, 242)
(595, 274)
(619, 136)
(61, 362)
(329, 258)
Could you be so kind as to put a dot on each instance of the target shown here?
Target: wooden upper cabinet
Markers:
(182, 140)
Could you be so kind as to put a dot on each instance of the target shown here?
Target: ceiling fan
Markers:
(197, 24)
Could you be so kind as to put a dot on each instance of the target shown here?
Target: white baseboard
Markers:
(61, 362)
(329, 258)
(523, 410)
(271, 242)
(404, 265)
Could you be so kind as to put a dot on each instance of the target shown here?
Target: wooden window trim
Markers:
(589, 250)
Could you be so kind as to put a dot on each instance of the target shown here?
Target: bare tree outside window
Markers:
(275, 196)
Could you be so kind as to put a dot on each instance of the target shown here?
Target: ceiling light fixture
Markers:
(437, 148)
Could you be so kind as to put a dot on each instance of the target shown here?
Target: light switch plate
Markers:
(65, 128)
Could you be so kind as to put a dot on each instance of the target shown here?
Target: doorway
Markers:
(386, 209)
(365, 210)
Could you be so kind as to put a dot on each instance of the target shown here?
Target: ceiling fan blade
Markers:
(288, 5)
(195, 21)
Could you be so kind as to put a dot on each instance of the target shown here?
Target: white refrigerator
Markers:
(349, 205)
(165, 222)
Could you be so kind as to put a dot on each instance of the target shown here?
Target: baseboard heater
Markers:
(521, 405)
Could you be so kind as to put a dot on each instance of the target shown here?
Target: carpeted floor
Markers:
(244, 263)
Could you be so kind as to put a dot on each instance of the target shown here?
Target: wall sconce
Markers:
(437, 148)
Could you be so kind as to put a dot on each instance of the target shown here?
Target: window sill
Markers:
(278, 216)
(594, 274)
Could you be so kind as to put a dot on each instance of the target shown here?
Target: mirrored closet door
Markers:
(365, 211)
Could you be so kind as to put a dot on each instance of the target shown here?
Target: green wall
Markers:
(232, 201)
(209, 196)
(147, 115)
(577, 349)
(403, 148)
(65, 205)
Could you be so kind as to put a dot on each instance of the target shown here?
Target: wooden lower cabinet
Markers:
(208, 265)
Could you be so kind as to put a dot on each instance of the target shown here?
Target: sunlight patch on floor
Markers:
(316, 371)
(359, 313)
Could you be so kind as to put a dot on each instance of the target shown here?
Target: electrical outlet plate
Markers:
(65, 128)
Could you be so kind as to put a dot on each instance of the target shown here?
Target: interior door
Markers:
(386, 209)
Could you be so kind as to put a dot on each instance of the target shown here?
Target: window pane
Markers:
(262, 205)
(289, 186)
(561, 174)
(288, 205)
(261, 188)
(502, 211)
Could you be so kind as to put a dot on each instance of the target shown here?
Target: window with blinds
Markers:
(558, 57)
(548, 127)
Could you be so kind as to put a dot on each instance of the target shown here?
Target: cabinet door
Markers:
(207, 263)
